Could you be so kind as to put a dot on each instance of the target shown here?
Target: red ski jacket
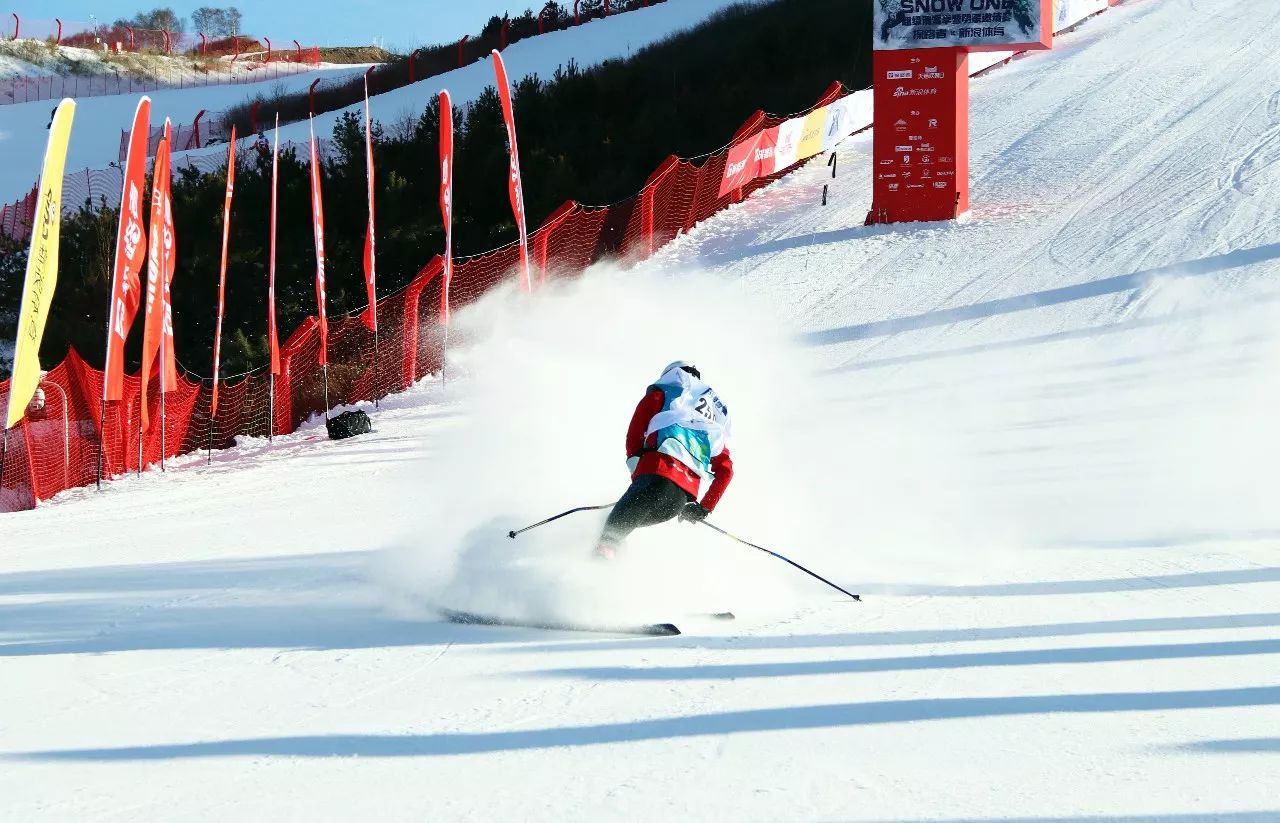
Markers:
(664, 465)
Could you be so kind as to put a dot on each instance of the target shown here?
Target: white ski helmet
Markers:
(684, 365)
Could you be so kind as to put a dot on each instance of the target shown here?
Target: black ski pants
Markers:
(651, 500)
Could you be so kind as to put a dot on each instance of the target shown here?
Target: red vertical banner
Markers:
(370, 267)
(317, 223)
(446, 199)
(273, 337)
(514, 186)
(131, 250)
(153, 313)
(921, 138)
(222, 271)
(169, 254)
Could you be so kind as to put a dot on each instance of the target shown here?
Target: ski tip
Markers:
(664, 629)
(512, 535)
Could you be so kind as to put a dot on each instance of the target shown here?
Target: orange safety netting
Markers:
(55, 447)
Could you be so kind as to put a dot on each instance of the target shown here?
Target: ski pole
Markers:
(784, 559)
(513, 534)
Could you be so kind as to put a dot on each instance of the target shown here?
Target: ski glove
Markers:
(693, 513)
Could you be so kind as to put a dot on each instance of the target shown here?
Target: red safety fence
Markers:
(55, 447)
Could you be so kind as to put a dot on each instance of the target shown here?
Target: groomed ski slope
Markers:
(1041, 444)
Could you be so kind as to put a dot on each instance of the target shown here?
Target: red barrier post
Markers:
(235, 41)
(649, 194)
(311, 95)
(413, 55)
(606, 8)
(168, 42)
(541, 14)
(203, 44)
(133, 43)
(268, 42)
(297, 50)
(57, 41)
(577, 18)
(502, 38)
(541, 246)
(253, 115)
(462, 43)
(194, 142)
(17, 25)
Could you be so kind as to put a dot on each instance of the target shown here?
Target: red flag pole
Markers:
(222, 284)
(370, 245)
(273, 342)
(131, 244)
(515, 187)
(317, 221)
(446, 211)
(153, 322)
(167, 252)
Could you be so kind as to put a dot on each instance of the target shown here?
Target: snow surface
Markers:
(23, 133)
(1041, 442)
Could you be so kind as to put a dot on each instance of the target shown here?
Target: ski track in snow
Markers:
(1095, 340)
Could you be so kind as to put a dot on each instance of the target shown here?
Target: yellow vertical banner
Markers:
(42, 266)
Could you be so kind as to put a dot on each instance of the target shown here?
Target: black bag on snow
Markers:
(348, 424)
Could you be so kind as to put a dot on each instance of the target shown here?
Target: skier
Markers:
(262, 146)
(678, 437)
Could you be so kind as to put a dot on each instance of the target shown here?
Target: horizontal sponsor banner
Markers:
(919, 24)
(1066, 13)
(777, 149)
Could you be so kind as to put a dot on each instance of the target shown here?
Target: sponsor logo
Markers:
(926, 159)
(915, 138)
(888, 176)
(926, 147)
(901, 125)
(902, 91)
(893, 187)
(926, 174)
(939, 185)
(946, 174)
(915, 185)
(734, 169)
(886, 162)
(933, 122)
(906, 158)
(906, 175)
(932, 73)
(905, 74)
(902, 148)
(944, 159)
(764, 154)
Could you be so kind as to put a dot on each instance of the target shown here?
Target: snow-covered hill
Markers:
(39, 58)
(1040, 444)
(95, 141)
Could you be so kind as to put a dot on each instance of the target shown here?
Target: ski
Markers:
(473, 619)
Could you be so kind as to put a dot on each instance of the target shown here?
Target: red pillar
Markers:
(462, 43)
(921, 140)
